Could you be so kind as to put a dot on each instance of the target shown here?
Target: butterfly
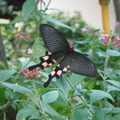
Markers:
(60, 53)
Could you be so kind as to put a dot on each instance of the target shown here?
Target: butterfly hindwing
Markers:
(80, 64)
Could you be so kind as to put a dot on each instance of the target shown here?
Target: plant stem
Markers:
(47, 6)
(81, 97)
(105, 73)
(37, 97)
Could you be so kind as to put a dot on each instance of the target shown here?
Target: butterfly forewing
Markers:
(54, 40)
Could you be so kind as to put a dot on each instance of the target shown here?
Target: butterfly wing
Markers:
(80, 64)
(53, 39)
(77, 63)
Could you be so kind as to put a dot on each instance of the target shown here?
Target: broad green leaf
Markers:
(57, 117)
(6, 74)
(115, 110)
(17, 88)
(55, 21)
(62, 109)
(25, 112)
(112, 88)
(19, 19)
(75, 79)
(115, 117)
(98, 115)
(101, 54)
(50, 96)
(2, 96)
(113, 53)
(116, 83)
(98, 95)
(47, 108)
(62, 84)
(83, 41)
(80, 114)
(28, 7)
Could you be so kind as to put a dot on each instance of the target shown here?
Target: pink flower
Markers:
(101, 31)
(30, 74)
(84, 29)
(21, 36)
(17, 35)
(118, 45)
(108, 40)
(30, 51)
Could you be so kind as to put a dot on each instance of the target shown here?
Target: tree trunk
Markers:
(117, 12)
(2, 52)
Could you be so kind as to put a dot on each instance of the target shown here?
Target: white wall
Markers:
(90, 9)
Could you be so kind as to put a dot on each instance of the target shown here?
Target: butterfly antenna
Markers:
(34, 66)
(48, 82)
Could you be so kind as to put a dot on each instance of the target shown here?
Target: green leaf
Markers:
(112, 88)
(112, 53)
(25, 112)
(115, 117)
(2, 96)
(19, 19)
(98, 95)
(47, 108)
(75, 79)
(28, 7)
(6, 74)
(57, 117)
(116, 83)
(50, 96)
(62, 84)
(101, 54)
(80, 114)
(62, 109)
(98, 115)
(55, 21)
(17, 88)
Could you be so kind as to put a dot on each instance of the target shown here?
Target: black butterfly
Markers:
(60, 52)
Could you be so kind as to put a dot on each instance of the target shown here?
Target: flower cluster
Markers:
(30, 74)
(31, 51)
(25, 36)
(108, 40)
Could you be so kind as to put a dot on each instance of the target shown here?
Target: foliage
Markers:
(71, 97)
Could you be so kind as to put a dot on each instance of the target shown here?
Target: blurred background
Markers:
(89, 10)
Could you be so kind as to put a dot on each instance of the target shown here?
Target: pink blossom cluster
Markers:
(25, 36)
(31, 74)
(84, 29)
(108, 40)
(31, 51)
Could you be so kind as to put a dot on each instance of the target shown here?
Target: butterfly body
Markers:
(60, 53)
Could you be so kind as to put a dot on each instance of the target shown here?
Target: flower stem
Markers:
(81, 97)
(39, 102)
